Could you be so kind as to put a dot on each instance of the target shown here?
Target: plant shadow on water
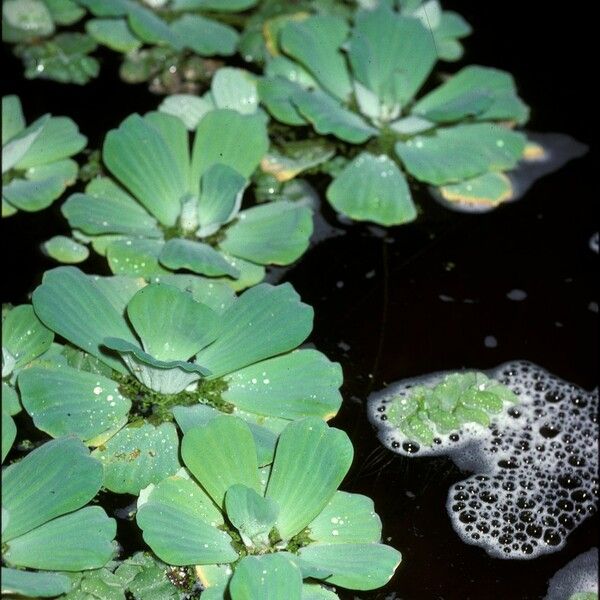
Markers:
(419, 298)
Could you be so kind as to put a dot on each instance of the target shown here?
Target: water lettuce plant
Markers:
(65, 56)
(149, 350)
(24, 339)
(47, 524)
(182, 211)
(360, 84)
(421, 412)
(162, 37)
(36, 160)
(255, 534)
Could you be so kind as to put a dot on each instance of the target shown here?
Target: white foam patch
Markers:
(580, 575)
(536, 465)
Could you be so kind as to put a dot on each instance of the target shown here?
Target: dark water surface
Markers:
(424, 297)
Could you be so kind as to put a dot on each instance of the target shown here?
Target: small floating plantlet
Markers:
(172, 356)
(178, 211)
(359, 84)
(254, 533)
(65, 56)
(421, 412)
(139, 577)
(534, 461)
(36, 160)
(47, 525)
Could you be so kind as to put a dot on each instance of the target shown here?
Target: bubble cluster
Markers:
(536, 465)
(580, 575)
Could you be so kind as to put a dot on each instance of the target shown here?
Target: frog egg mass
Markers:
(535, 466)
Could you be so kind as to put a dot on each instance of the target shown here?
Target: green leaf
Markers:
(461, 152)
(229, 443)
(170, 323)
(56, 478)
(312, 591)
(80, 540)
(13, 121)
(489, 189)
(118, 289)
(283, 67)
(174, 133)
(106, 208)
(137, 257)
(65, 249)
(250, 273)
(9, 433)
(328, 116)
(205, 36)
(150, 28)
(24, 336)
(58, 139)
(274, 233)
(214, 294)
(153, 175)
(138, 456)
(32, 196)
(34, 585)
(280, 386)
(277, 94)
(235, 89)
(10, 399)
(269, 577)
(411, 125)
(303, 488)
(194, 256)
(188, 417)
(218, 141)
(63, 401)
(71, 304)
(465, 90)
(190, 109)
(220, 197)
(372, 188)
(65, 12)
(214, 580)
(315, 43)
(264, 321)
(16, 148)
(347, 519)
(354, 566)
(391, 55)
(30, 16)
(296, 157)
(106, 8)
(179, 523)
(114, 33)
(251, 514)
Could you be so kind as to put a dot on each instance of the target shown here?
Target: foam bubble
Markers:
(580, 575)
(536, 465)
